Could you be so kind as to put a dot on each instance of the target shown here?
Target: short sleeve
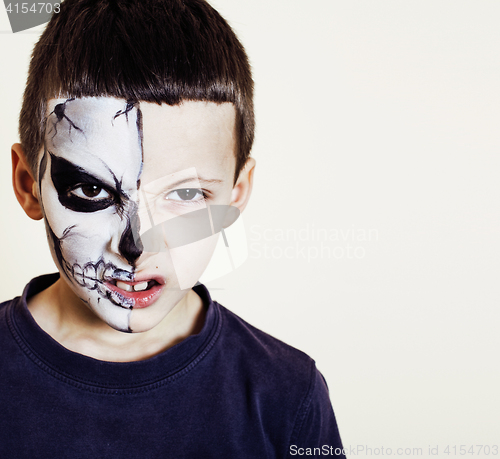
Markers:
(316, 431)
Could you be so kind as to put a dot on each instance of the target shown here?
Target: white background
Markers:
(372, 115)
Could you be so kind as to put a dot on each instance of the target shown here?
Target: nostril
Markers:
(130, 245)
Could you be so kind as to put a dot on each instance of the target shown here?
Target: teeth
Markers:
(90, 272)
(140, 287)
(124, 286)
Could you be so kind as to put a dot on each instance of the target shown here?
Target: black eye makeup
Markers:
(79, 191)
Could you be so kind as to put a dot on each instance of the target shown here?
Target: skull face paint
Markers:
(100, 155)
(88, 181)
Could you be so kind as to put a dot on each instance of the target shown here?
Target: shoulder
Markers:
(5, 304)
(3, 309)
(291, 394)
(259, 350)
(280, 376)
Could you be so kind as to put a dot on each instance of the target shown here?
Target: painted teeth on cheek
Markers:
(78, 275)
(124, 286)
(90, 275)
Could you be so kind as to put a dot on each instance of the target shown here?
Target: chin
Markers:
(143, 320)
(115, 316)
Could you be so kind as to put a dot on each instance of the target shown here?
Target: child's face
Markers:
(125, 191)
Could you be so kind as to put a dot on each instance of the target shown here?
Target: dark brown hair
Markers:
(162, 51)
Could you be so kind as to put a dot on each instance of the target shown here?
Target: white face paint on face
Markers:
(112, 171)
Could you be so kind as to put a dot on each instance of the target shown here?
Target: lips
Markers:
(141, 293)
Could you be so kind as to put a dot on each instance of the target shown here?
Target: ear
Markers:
(25, 186)
(243, 187)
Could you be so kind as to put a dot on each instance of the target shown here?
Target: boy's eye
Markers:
(90, 192)
(186, 194)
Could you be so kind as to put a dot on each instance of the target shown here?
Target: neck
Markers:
(62, 315)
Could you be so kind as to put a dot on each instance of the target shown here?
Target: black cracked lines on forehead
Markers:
(60, 113)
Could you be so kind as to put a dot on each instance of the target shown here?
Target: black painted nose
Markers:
(130, 245)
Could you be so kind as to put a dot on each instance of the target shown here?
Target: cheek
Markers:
(190, 261)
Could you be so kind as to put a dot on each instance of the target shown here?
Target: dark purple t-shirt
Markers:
(231, 391)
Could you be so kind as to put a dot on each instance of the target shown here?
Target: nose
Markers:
(130, 245)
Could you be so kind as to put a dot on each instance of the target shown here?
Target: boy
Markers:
(136, 130)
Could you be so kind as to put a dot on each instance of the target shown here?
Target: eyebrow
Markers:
(200, 179)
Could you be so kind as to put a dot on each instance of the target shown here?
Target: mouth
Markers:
(139, 293)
